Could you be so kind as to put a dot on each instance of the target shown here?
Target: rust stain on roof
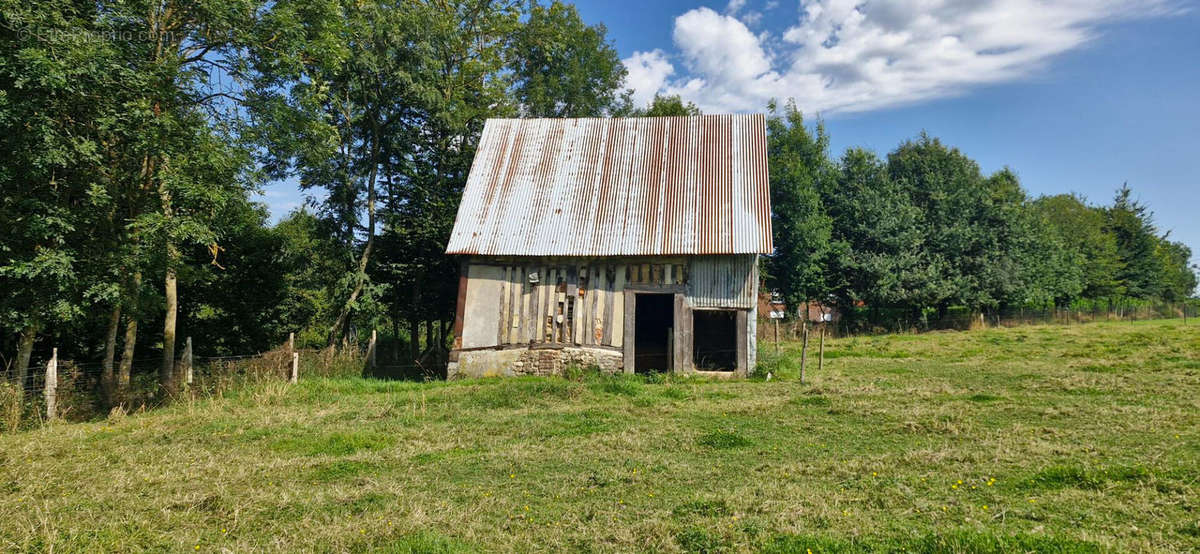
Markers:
(620, 186)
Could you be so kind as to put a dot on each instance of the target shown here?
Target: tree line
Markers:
(923, 231)
(136, 133)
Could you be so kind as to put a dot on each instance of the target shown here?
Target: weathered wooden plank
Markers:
(680, 353)
(568, 312)
(548, 311)
(585, 308)
(522, 328)
(560, 306)
(609, 298)
(514, 325)
(597, 321)
(577, 323)
(502, 326)
(618, 318)
(552, 309)
(743, 340)
(629, 338)
(461, 306)
(534, 304)
(547, 331)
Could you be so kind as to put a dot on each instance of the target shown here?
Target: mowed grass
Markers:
(1047, 439)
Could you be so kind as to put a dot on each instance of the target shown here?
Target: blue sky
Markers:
(1075, 95)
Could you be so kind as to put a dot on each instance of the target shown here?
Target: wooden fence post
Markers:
(821, 358)
(371, 351)
(295, 367)
(187, 359)
(291, 342)
(804, 353)
(52, 386)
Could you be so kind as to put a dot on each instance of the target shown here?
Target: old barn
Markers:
(630, 244)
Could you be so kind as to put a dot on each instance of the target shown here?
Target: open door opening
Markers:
(654, 321)
(715, 336)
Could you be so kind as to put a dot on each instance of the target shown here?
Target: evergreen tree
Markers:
(1132, 226)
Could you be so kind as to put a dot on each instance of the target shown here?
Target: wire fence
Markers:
(874, 321)
(83, 390)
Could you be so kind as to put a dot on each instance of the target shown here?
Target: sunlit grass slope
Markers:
(1059, 439)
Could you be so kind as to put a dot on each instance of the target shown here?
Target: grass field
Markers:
(1058, 439)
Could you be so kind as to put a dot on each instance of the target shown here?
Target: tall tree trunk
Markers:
(395, 339)
(131, 328)
(166, 373)
(414, 333)
(126, 368)
(24, 352)
(339, 326)
(107, 381)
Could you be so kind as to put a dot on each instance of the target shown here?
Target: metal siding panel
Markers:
(721, 281)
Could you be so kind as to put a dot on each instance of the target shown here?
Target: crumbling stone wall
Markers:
(533, 361)
(554, 361)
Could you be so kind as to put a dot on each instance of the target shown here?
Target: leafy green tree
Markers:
(1081, 229)
(663, 106)
(341, 73)
(563, 67)
(465, 80)
(1178, 276)
(1042, 271)
(311, 268)
(971, 223)
(56, 99)
(800, 169)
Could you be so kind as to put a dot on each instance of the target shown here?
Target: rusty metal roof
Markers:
(620, 186)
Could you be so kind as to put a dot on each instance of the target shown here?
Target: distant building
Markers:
(628, 244)
(816, 311)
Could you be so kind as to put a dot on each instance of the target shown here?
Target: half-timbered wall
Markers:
(572, 301)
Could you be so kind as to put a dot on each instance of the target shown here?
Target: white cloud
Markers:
(647, 72)
(719, 47)
(850, 55)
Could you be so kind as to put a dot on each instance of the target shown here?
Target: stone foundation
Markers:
(533, 361)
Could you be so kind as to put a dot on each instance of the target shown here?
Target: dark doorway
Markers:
(715, 340)
(654, 318)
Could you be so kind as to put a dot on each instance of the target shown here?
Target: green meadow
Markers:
(1043, 439)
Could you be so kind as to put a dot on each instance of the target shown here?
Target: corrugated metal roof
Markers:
(620, 186)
